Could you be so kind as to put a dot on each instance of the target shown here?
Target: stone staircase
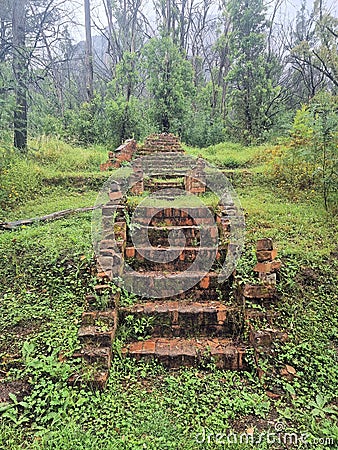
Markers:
(192, 327)
(171, 258)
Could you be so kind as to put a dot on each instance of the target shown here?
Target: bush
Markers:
(108, 122)
(310, 160)
(20, 178)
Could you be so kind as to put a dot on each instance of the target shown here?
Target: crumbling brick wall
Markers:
(124, 152)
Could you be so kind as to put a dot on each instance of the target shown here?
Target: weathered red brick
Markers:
(267, 267)
(266, 255)
(258, 291)
(149, 346)
(264, 244)
(204, 283)
(115, 195)
(130, 252)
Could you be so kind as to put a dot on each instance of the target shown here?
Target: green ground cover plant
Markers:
(47, 269)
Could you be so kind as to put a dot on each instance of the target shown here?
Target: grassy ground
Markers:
(46, 271)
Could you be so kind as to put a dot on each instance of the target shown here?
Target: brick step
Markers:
(170, 164)
(93, 336)
(186, 319)
(156, 171)
(164, 156)
(162, 149)
(175, 216)
(99, 357)
(174, 211)
(161, 285)
(190, 236)
(153, 185)
(177, 352)
(174, 258)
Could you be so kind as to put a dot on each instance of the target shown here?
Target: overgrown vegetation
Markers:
(221, 75)
(46, 271)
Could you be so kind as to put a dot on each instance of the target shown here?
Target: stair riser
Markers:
(156, 187)
(155, 260)
(175, 361)
(101, 362)
(174, 221)
(104, 340)
(173, 266)
(194, 294)
(189, 236)
(188, 324)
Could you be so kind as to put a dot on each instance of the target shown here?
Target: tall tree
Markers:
(89, 52)
(251, 94)
(170, 83)
(20, 74)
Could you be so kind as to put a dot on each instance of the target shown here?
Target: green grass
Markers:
(55, 200)
(49, 164)
(57, 156)
(46, 272)
(228, 155)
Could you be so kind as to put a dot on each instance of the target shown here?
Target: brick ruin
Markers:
(210, 320)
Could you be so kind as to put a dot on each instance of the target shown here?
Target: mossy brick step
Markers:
(184, 318)
(159, 235)
(155, 216)
(259, 291)
(97, 379)
(174, 258)
(262, 340)
(95, 336)
(159, 158)
(158, 186)
(105, 319)
(174, 211)
(100, 357)
(158, 172)
(152, 149)
(177, 352)
(204, 286)
(166, 160)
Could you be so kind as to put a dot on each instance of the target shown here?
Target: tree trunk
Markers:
(89, 52)
(20, 74)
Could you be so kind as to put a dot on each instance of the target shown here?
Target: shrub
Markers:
(310, 160)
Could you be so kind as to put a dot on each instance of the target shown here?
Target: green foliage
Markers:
(170, 83)
(46, 272)
(204, 126)
(102, 121)
(311, 161)
(49, 161)
(228, 154)
(251, 89)
(7, 103)
(20, 178)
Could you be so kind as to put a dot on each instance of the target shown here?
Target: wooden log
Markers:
(7, 226)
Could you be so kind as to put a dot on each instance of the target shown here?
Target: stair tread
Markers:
(89, 330)
(184, 274)
(176, 227)
(92, 351)
(184, 346)
(180, 306)
(162, 248)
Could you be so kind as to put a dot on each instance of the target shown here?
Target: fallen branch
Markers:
(48, 218)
